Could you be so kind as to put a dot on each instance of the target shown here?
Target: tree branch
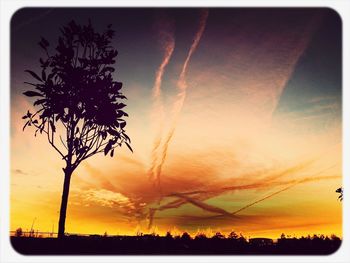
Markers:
(52, 144)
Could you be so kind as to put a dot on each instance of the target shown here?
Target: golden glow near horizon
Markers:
(114, 194)
(231, 145)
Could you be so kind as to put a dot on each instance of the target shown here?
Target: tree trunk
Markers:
(64, 202)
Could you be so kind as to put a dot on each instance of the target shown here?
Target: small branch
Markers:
(52, 144)
(63, 143)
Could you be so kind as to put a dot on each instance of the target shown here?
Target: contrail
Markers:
(183, 199)
(266, 181)
(150, 217)
(182, 86)
(201, 195)
(296, 182)
(262, 199)
(204, 206)
(168, 44)
(203, 20)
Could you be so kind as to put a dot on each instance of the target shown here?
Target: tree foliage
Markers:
(78, 104)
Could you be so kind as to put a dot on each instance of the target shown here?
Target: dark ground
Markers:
(156, 245)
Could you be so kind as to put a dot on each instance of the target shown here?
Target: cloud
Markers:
(226, 141)
(105, 198)
(190, 178)
(178, 104)
(167, 41)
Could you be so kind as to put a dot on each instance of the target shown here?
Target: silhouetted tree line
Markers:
(177, 245)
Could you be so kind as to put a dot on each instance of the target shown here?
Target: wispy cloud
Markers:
(177, 106)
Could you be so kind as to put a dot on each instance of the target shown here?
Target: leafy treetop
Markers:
(76, 90)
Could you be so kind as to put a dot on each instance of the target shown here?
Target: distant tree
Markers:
(233, 235)
(340, 191)
(334, 237)
(185, 236)
(19, 232)
(78, 106)
(218, 235)
(168, 235)
(200, 236)
(315, 237)
(242, 239)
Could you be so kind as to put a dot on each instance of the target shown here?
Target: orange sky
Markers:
(232, 138)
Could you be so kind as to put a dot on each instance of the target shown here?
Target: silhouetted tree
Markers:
(334, 237)
(200, 236)
(19, 232)
(218, 235)
(168, 235)
(233, 235)
(242, 239)
(185, 236)
(78, 106)
(340, 191)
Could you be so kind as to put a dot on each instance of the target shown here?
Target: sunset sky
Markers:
(235, 122)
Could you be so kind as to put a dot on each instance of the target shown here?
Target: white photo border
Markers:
(9, 7)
